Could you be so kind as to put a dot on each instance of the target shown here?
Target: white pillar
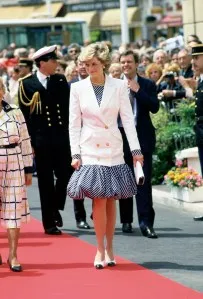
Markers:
(124, 22)
(144, 12)
(48, 4)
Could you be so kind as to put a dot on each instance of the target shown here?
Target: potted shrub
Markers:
(186, 184)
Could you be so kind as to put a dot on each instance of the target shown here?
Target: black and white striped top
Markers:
(98, 90)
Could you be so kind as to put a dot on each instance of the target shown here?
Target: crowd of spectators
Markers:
(171, 71)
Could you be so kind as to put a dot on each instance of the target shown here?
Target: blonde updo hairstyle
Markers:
(99, 50)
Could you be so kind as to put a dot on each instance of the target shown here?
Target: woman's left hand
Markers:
(139, 158)
(76, 164)
(28, 179)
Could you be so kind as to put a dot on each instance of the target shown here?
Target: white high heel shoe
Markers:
(109, 262)
(99, 264)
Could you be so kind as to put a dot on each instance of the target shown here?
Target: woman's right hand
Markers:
(138, 158)
(76, 163)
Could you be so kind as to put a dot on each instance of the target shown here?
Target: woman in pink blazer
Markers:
(97, 147)
(15, 174)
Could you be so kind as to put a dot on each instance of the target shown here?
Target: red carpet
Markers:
(61, 268)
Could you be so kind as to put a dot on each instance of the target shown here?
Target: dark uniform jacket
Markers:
(199, 114)
(46, 110)
(147, 102)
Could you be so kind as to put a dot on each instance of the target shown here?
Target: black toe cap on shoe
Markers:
(99, 267)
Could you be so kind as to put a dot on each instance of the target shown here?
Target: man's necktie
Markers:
(131, 97)
(47, 81)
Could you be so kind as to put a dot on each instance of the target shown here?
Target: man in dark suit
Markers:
(79, 208)
(44, 101)
(143, 97)
(197, 61)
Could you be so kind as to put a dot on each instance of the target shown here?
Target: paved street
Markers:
(177, 254)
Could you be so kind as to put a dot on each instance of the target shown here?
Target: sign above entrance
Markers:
(99, 5)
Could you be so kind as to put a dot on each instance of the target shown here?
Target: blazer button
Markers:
(98, 145)
(107, 144)
(106, 127)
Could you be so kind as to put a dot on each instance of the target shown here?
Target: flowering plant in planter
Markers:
(182, 176)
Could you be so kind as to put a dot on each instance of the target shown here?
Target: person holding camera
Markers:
(177, 91)
(169, 86)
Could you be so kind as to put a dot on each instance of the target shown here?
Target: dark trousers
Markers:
(79, 210)
(52, 160)
(200, 150)
(144, 201)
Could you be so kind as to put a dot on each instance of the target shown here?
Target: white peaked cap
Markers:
(45, 51)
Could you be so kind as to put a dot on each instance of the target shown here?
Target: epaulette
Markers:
(20, 79)
(34, 103)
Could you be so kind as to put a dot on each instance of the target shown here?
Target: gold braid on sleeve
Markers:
(34, 103)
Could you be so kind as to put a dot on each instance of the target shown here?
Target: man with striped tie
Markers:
(143, 98)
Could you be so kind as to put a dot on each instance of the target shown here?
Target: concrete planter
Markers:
(187, 195)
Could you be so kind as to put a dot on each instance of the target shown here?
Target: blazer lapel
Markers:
(92, 97)
(109, 89)
(107, 94)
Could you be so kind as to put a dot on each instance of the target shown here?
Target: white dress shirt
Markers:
(42, 79)
(133, 100)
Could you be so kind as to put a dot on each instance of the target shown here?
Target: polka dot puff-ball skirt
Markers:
(97, 181)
